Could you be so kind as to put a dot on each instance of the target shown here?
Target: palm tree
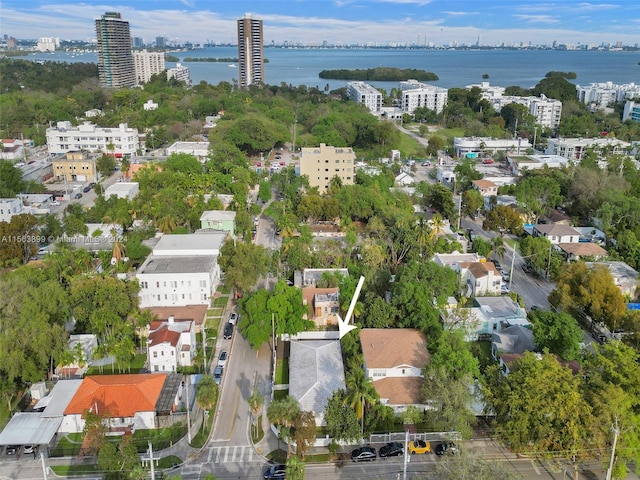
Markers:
(360, 392)
(295, 468)
(167, 224)
(498, 247)
(207, 393)
(437, 226)
(255, 404)
(282, 413)
(119, 251)
(423, 233)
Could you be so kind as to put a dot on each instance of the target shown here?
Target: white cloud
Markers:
(538, 18)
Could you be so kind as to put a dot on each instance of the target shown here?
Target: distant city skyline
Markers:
(336, 22)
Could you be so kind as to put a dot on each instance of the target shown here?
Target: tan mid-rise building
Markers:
(75, 167)
(323, 163)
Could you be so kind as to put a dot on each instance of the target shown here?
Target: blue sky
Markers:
(339, 21)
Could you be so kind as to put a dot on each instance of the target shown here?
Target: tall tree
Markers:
(207, 393)
(304, 431)
(558, 332)
(342, 421)
(360, 392)
(283, 413)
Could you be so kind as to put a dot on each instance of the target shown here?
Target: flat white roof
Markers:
(59, 397)
(191, 241)
(218, 215)
(29, 428)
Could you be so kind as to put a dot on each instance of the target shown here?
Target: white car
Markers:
(233, 318)
(505, 289)
(222, 359)
(54, 203)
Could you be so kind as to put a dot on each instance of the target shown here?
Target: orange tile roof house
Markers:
(486, 187)
(393, 359)
(128, 401)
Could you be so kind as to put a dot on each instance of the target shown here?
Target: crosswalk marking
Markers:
(233, 454)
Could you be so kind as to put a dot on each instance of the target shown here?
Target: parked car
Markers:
(392, 449)
(92, 184)
(77, 196)
(217, 374)
(426, 164)
(449, 448)
(228, 331)
(363, 454)
(496, 263)
(54, 203)
(488, 161)
(87, 189)
(222, 358)
(274, 471)
(11, 449)
(419, 446)
(504, 290)
(527, 268)
(28, 449)
(233, 318)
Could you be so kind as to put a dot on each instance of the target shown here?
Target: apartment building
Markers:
(180, 73)
(575, 148)
(250, 51)
(75, 166)
(601, 95)
(366, 94)
(416, 95)
(47, 44)
(473, 146)
(321, 164)
(631, 112)
(115, 60)
(64, 137)
(147, 64)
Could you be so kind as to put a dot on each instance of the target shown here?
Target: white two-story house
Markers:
(480, 278)
(171, 344)
(393, 359)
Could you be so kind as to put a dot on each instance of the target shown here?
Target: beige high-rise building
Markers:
(148, 64)
(323, 163)
(250, 52)
(115, 60)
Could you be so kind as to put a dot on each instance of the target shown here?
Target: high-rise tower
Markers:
(250, 51)
(115, 60)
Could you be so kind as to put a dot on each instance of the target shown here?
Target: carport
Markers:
(30, 428)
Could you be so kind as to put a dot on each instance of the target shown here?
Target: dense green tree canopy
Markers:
(557, 332)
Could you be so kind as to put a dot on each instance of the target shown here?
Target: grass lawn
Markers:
(168, 462)
(215, 312)
(71, 470)
(223, 289)
(203, 434)
(134, 367)
(318, 458)
(66, 448)
(450, 133)
(410, 147)
(278, 456)
(256, 435)
(482, 351)
(161, 438)
(220, 302)
(212, 327)
(280, 394)
(282, 371)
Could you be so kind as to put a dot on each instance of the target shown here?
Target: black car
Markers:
(449, 448)
(527, 268)
(393, 449)
(77, 196)
(273, 472)
(363, 454)
(87, 189)
(228, 331)
(11, 449)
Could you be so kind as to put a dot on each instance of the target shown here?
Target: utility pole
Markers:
(153, 472)
(513, 261)
(405, 455)
(188, 404)
(616, 432)
(535, 134)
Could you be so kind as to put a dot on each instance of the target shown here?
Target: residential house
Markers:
(182, 270)
(127, 190)
(128, 402)
(626, 278)
(513, 339)
(404, 179)
(480, 278)
(12, 149)
(455, 260)
(393, 360)
(220, 220)
(486, 316)
(486, 187)
(507, 361)
(195, 313)
(555, 216)
(311, 276)
(323, 305)
(171, 344)
(576, 251)
(200, 150)
(556, 233)
(10, 207)
(82, 346)
(316, 371)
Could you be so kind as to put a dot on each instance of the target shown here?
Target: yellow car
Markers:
(419, 446)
